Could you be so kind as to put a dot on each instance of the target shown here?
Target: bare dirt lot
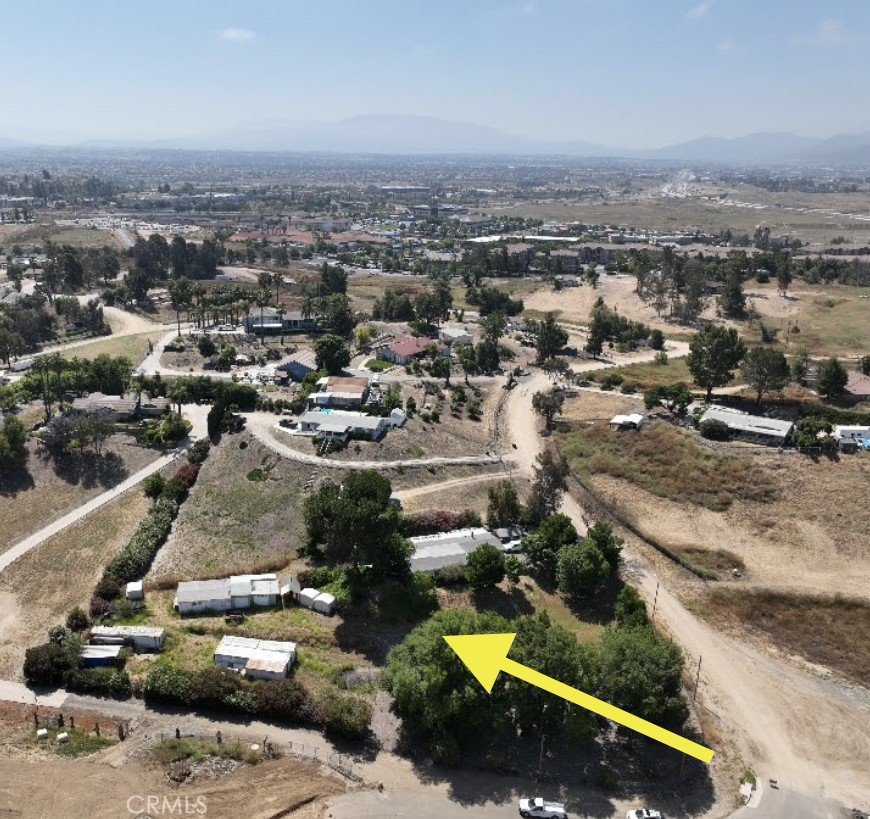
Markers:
(284, 787)
(49, 488)
(39, 588)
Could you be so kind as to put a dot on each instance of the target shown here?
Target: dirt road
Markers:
(810, 733)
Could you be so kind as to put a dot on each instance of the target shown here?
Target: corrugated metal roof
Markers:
(128, 631)
(743, 422)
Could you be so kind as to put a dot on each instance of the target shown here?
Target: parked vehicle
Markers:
(539, 808)
(645, 813)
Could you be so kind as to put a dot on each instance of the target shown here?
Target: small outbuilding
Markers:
(307, 597)
(633, 421)
(100, 656)
(324, 603)
(135, 590)
(147, 639)
(258, 659)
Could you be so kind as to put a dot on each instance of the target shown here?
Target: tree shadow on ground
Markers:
(87, 469)
(586, 776)
(14, 480)
(601, 608)
(511, 603)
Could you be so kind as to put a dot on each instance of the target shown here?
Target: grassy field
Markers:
(47, 489)
(830, 631)
(646, 376)
(39, 588)
(134, 347)
(666, 462)
(839, 324)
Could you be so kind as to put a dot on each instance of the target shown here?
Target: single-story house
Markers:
(339, 425)
(751, 427)
(142, 638)
(236, 592)
(858, 384)
(851, 433)
(292, 322)
(97, 656)
(404, 350)
(336, 391)
(299, 365)
(455, 337)
(122, 407)
(633, 421)
(258, 659)
(433, 552)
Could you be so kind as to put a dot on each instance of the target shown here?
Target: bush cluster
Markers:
(340, 715)
(135, 558)
(438, 520)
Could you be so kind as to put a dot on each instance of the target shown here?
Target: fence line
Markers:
(340, 763)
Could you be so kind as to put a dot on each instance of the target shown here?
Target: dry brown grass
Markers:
(831, 631)
(666, 462)
(47, 489)
(134, 347)
(38, 589)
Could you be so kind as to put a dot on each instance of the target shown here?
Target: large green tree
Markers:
(332, 353)
(551, 338)
(765, 370)
(542, 547)
(548, 405)
(485, 567)
(582, 570)
(714, 353)
(831, 379)
(503, 507)
(548, 486)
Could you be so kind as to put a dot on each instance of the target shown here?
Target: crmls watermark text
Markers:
(153, 805)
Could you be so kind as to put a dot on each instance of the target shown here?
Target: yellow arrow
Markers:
(486, 656)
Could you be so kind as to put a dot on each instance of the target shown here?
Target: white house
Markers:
(433, 552)
(751, 427)
(142, 638)
(236, 592)
(633, 421)
(339, 425)
(455, 337)
(850, 433)
(258, 659)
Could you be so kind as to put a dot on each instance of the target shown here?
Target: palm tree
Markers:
(263, 298)
(281, 311)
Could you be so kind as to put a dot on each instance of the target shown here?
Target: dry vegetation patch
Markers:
(134, 347)
(666, 462)
(38, 589)
(831, 631)
(48, 488)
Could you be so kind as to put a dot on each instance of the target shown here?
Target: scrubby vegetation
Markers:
(664, 461)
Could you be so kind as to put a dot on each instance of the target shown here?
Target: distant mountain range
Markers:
(400, 134)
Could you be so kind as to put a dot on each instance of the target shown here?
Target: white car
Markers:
(539, 808)
(645, 813)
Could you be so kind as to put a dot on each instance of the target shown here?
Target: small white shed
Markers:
(325, 603)
(135, 590)
(307, 597)
(398, 417)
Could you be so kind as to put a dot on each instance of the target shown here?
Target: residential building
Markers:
(751, 427)
(300, 364)
(258, 659)
(404, 350)
(455, 337)
(339, 425)
(122, 407)
(565, 260)
(271, 322)
(142, 638)
(337, 391)
(433, 552)
(858, 385)
(236, 592)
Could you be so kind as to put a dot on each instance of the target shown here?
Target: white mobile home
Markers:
(142, 638)
(433, 552)
(259, 659)
(751, 427)
(236, 592)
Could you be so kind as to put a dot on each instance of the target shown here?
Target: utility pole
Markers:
(697, 679)
(656, 599)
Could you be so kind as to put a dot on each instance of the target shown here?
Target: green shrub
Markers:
(153, 485)
(101, 682)
(77, 620)
(199, 451)
(714, 430)
(450, 576)
(46, 664)
(485, 566)
(286, 700)
(319, 576)
(167, 684)
(135, 558)
(344, 716)
(213, 687)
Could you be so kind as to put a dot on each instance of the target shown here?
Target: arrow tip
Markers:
(484, 654)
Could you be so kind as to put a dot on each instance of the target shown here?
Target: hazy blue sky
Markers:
(628, 73)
